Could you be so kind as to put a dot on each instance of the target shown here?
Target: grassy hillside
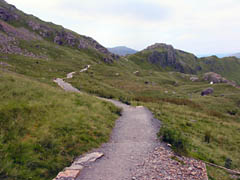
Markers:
(227, 67)
(42, 128)
(164, 57)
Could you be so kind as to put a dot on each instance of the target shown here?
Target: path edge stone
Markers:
(72, 172)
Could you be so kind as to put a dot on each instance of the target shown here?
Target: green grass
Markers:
(42, 128)
(198, 116)
(227, 67)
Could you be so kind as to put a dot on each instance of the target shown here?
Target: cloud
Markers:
(126, 9)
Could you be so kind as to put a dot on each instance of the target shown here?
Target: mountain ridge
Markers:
(47, 31)
(236, 55)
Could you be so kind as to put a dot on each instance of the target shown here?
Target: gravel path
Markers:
(134, 152)
(133, 137)
(66, 86)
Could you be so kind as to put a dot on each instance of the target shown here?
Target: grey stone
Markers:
(89, 158)
(207, 91)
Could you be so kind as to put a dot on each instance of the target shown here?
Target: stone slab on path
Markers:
(71, 173)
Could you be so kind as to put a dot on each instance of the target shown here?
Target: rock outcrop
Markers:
(69, 38)
(214, 77)
(164, 55)
(9, 39)
(7, 14)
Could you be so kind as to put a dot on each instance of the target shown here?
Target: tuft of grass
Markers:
(207, 136)
(174, 137)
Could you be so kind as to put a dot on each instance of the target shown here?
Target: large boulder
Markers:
(214, 77)
(207, 91)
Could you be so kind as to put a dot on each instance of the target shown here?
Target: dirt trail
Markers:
(133, 137)
(133, 153)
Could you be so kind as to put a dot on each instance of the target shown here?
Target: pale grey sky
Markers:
(198, 26)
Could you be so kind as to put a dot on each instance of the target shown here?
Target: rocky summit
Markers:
(166, 58)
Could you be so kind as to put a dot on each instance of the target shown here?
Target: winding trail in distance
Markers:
(133, 138)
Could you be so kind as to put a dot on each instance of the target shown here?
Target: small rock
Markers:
(136, 72)
(194, 78)
(68, 174)
(207, 91)
(193, 173)
(190, 168)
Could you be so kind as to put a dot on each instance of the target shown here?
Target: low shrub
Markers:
(228, 163)
(207, 136)
(125, 100)
(232, 112)
(179, 142)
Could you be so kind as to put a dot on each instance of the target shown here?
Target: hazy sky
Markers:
(198, 26)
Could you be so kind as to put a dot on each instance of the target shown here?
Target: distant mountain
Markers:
(122, 50)
(220, 55)
(236, 55)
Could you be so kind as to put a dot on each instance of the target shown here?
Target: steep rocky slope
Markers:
(16, 26)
